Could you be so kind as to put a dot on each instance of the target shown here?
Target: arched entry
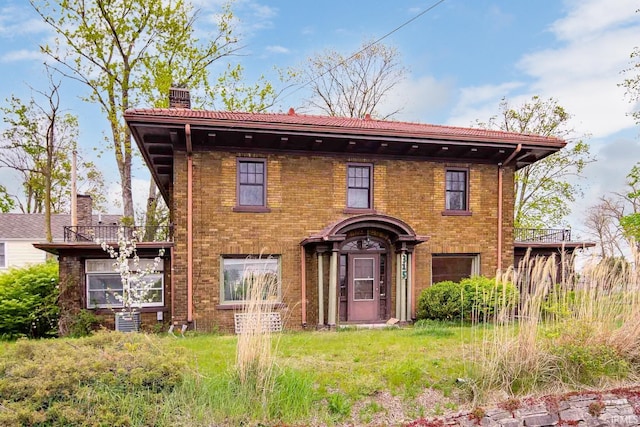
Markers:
(364, 278)
(363, 250)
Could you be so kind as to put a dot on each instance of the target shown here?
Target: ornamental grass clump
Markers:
(255, 358)
(567, 330)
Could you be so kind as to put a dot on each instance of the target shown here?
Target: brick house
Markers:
(352, 217)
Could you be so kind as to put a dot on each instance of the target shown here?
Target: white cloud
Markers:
(278, 49)
(587, 18)
(481, 102)
(582, 73)
(21, 55)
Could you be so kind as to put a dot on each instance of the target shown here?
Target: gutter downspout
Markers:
(500, 199)
(303, 287)
(187, 132)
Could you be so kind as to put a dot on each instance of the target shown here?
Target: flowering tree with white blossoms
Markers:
(136, 287)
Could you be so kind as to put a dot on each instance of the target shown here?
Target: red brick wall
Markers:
(305, 194)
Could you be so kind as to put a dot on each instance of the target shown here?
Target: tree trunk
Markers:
(151, 218)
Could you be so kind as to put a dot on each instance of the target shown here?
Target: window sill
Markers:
(241, 306)
(251, 209)
(104, 311)
(359, 211)
(457, 213)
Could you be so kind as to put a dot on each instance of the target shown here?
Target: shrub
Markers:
(83, 324)
(476, 298)
(105, 379)
(442, 301)
(28, 301)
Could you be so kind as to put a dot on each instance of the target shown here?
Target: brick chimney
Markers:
(179, 98)
(85, 208)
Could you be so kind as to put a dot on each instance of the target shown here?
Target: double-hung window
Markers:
(105, 289)
(359, 186)
(252, 183)
(246, 278)
(457, 190)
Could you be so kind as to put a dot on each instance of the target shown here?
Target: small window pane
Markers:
(3, 259)
(251, 195)
(358, 198)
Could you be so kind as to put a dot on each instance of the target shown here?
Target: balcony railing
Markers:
(542, 235)
(109, 233)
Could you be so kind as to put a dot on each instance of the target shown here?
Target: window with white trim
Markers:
(104, 285)
(3, 256)
(240, 275)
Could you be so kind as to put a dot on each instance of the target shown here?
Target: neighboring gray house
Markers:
(18, 233)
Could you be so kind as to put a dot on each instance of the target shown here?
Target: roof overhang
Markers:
(160, 133)
(143, 248)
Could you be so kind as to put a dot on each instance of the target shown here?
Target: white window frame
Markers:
(104, 267)
(250, 262)
(3, 259)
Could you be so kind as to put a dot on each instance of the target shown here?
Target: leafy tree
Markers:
(543, 189)
(37, 144)
(130, 52)
(351, 86)
(632, 81)
(6, 201)
(630, 223)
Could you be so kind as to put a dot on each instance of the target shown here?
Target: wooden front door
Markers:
(363, 287)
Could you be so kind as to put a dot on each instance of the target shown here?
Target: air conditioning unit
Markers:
(128, 322)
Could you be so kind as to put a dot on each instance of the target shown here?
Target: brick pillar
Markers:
(85, 208)
(179, 98)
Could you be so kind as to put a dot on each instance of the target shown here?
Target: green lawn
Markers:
(356, 362)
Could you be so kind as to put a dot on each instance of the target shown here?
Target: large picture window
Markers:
(104, 285)
(252, 182)
(456, 190)
(244, 277)
(359, 185)
(3, 255)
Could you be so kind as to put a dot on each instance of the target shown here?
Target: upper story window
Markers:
(251, 184)
(359, 186)
(3, 256)
(457, 190)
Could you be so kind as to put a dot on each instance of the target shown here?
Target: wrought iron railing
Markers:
(109, 233)
(542, 235)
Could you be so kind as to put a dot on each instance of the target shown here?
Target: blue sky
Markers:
(463, 56)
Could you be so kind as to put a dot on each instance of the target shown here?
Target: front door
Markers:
(363, 287)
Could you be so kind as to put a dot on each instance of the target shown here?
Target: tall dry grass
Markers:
(257, 342)
(569, 330)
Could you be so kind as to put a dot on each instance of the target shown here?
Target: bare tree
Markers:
(602, 221)
(352, 86)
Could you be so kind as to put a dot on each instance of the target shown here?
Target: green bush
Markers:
(475, 298)
(28, 301)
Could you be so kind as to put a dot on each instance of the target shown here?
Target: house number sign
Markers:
(403, 267)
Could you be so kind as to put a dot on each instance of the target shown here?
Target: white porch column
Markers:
(409, 285)
(333, 288)
(398, 285)
(320, 290)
